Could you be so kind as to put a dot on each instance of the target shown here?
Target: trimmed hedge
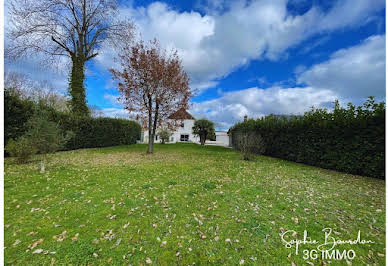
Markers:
(99, 132)
(348, 139)
(88, 132)
(17, 111)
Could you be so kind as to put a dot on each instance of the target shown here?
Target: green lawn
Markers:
(184, 204)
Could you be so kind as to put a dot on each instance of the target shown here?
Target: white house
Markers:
(184, 131)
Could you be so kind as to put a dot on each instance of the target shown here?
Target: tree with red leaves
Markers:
(152, 84)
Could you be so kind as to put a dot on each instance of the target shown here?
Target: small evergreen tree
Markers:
(46, 136)
(22, 148)
(204, 129)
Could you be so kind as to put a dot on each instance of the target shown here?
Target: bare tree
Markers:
(74, 29)
(250, 143)
(96, 111)
(37, 91)
(152, 84)
(16, 81)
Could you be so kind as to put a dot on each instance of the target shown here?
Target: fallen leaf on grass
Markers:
(61, 236)
(33, 245)
(75, 238)
(17, 242)
(111, 217)
(38, 251)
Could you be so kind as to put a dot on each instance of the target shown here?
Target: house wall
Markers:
(222, 139)
(222, 136)
(176, 136)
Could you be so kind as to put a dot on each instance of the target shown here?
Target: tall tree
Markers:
(204, 129)
(153, 84)
(74, 29)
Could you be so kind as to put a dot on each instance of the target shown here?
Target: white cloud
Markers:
(231, 35)
(115, 112)
(256, 102)
(351, 74)
(350, 12)
(214, 45)
(112, 99)
(355, 72)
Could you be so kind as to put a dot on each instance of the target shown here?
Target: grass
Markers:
(184, 204)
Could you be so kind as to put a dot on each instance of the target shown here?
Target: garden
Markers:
(81, 189)
(185, 204)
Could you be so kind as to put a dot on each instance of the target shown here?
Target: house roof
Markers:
(181, 114)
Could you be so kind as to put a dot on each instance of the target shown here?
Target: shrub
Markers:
(88, 132)
(164, 135)
(17, 111)
(348, 139)
(99, 132)
(46, 135)
(23, 148)
(250, 144)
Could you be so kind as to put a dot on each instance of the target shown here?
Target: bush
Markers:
(250, 143)
(88, 132)
(46, 135)
(17, 111)
(164, 135)
(348, 139)
(91, 132)
(23, 148)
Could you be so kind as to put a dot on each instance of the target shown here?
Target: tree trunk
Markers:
(202, 139)
(150, 141)
(77, 88)
(152, 132)
(42, 166)
(150, 135)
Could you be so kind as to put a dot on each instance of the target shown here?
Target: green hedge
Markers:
(99, 132)
(348, 139)
(17, 111)
(88, 132)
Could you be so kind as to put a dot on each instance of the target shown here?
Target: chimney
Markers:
(245, 117)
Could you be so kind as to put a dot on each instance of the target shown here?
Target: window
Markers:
(184, 137)
(172, 139)
(182, 124)
(156, 137)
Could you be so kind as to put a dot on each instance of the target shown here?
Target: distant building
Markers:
(184, 131)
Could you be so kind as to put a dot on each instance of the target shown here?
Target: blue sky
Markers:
(254, 57)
